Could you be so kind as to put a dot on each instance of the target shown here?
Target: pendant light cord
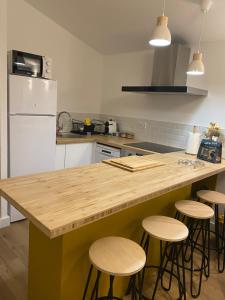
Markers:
(203, 23)
(164, 7)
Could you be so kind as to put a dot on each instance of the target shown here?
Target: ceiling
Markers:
(114, 26)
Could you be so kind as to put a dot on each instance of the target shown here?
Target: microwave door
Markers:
(27, 64)
(34, 65)
(20, 66)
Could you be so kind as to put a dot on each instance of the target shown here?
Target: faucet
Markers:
(60, 128)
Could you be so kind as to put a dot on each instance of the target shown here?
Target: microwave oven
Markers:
(28, 64)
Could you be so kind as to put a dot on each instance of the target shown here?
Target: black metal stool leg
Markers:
(190, 225)
(195, 232)
(192, 266)
(176, 259)
(176, 254)
(217, 232)
(175, 249)
(145, 247)
(195, 295)
(177, 215)
(130, 284)
(171, 257)
(223, 246)
(87, 284)
(207, 258)
(110, 293)
(140, 286)
(220, 241)
(133, 289)
(183, 269)
(145, 241)
(160, 271)
(94, 294)
(198, 230)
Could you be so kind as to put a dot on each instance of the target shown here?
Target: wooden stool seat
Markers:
(194, 209)
(211, 197)
(117, 256)
(165, 228)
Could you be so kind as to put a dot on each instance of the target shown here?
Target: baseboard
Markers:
(4, 222)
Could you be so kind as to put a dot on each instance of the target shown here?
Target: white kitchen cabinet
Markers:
(79, 154)
(60, 157)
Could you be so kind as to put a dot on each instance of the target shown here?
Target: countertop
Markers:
(62, 201)
(112, 141)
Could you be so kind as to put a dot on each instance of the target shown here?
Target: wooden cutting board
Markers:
(134, 163)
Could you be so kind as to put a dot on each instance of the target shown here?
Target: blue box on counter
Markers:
(210, 151)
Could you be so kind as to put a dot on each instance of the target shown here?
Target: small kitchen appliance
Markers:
(111, 126)
(28, 64)
(100, 127)
(210, 151)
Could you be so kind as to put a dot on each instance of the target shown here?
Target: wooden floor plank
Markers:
(14, 261)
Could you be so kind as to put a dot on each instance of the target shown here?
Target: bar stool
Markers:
(115, 256)
(172, 233)
(216, 199)
(197, 215)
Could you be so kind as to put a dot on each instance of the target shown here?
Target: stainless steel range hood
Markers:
(169, 73)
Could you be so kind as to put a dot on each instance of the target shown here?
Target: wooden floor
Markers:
(14, 262)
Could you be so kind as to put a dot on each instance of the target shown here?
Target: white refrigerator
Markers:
(32, 104)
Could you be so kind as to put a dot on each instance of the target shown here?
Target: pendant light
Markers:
(196, 67)
(161, 36)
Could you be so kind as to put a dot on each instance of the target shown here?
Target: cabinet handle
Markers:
(105, 151)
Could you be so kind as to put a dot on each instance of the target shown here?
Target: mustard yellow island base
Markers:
(58, 267)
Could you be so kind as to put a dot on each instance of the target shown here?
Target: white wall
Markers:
(83, 89)
(77, 67)
(4, 218)
(79, 71)
(136, 69)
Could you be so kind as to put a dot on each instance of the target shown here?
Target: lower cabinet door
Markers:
(60, 156)
(79, 154)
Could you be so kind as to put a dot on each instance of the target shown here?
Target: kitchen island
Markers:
(70, 208)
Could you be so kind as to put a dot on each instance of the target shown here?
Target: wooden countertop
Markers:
(113, 141)
(61, 201)
(75, 140)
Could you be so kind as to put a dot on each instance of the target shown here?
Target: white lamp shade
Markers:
(196, 67)
(161, 36)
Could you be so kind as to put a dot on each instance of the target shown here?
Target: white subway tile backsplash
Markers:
(167, 133)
